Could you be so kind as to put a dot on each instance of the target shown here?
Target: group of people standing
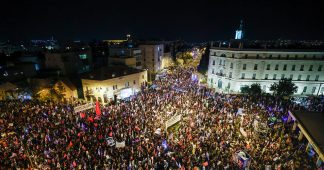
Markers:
(132, 134)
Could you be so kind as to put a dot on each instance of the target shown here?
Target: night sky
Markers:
(198, 20)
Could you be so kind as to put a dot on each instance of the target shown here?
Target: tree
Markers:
(245, 89)
(285, 87)
(255, 89)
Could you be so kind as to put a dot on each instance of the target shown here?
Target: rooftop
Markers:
(312, 122)
(269, 49)
(105, 73)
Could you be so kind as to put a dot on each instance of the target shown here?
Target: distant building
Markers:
(131, 57)
(152, 58)
(231, 69)
(107, 83)
(69, 62)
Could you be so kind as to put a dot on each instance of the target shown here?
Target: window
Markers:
(254, 75)
(270, 56)
(230, 75)
(268, 67)
(305, 89)
(291, 77)
(213, 62)
(274, 76)
(302, 68)
(134, 82)
(296, 56)
(282, 76)
(213, 71)
(224, 63)
(142, 76)
(255, 66)
(257, 56)
(293, 67)
(314, 56)
(313, 90)
(310, 68)
(317, 77)
(114, 87)
(287, 57)
(211, 80)
(319, 68)
(277, 66)
(266, 76)
(83, 56)
(231, 65)
(305, 56)
(285, 67)
(246, 56)
(233, 55)
(244, 66)
(220, 62)
(243, 76)
(279, 56)
(308, 76)
(299, 77)
(127, 84)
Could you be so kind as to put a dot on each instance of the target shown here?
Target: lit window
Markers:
(83, 56)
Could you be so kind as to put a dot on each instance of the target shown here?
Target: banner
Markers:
(120, 144)
(83, 107)
(98, 112)
(172, 121)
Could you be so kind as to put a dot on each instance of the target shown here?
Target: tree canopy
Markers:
(285, 87)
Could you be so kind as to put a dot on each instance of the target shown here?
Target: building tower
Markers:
(239, 32)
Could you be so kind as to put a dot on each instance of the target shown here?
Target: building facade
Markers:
(231, 69)
(106, 84)
(127, 56)
(69, 62)
(152, 55)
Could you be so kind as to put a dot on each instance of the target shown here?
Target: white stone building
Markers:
(230, 69)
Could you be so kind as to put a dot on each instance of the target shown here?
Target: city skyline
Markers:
(199, 21)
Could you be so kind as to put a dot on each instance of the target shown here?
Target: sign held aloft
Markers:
(83, 107)
(172, 121)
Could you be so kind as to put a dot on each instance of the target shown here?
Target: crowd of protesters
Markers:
(213, 129)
